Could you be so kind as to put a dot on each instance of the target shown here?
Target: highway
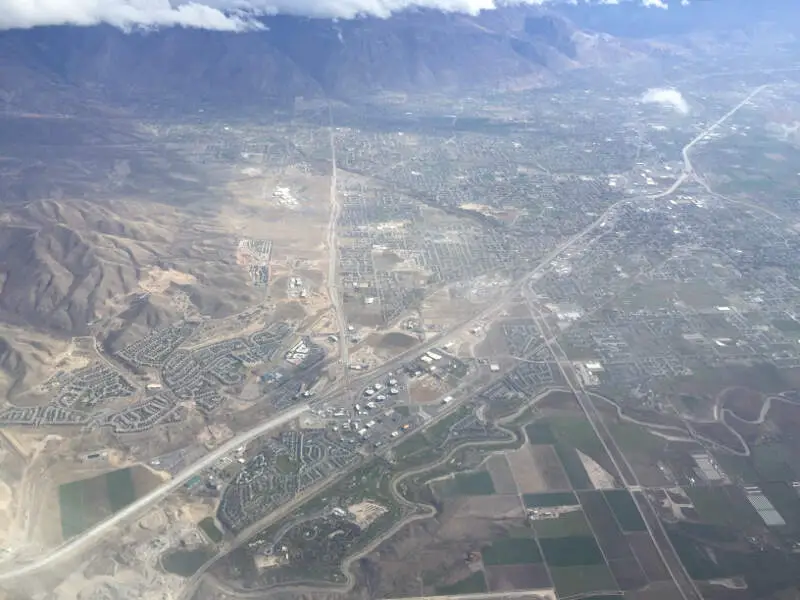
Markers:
(332, 282)
(685, 585)
(688, 169)
(69, 548)
(76, 544)
(687, 165)
(94, 534)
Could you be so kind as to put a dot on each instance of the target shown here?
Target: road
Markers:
(688, 169)
(687, 163)
(332, 282)
(627, 475)
(686, 586)
(629, 479)
(77, 544)
(462, 392)
(429, 512)
(73, 546)
(94, 534)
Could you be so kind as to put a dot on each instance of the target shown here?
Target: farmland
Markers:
(86, 502)
(476, 483)
(549, 500)
(525, 510)
(511, 551)
(529, 517)
(572, 523)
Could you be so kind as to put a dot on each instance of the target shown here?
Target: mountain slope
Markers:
(412, 51)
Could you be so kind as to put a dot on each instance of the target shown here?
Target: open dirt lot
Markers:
(476, 517)
(365, 513)
(426, 390)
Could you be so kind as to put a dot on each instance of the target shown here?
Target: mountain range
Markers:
(416, 50)
(66, 257)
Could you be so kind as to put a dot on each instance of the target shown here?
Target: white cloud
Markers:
(120, 13)
(224, 15)
(668, 97)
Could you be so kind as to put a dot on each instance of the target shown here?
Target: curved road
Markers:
(70, 547)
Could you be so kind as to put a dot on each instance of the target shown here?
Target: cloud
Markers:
(655, 4)
(125, 14)
(223, 15)
(668, 97)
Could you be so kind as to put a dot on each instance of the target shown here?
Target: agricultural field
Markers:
(722, 539)
(625, 510)
(474, 583)
(542, 509)
(530, 517)
(474, 483)
(514, 563)
(569, 523)
(511, 551)
(569, 439)
(85, 502)
(550, 500)
(585, 535)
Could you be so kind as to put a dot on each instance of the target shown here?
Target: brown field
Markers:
(507, 578)
(434, 550)
(361, 314)
(559, 401)
(537, 469)
(765, 378)
(527, 473)
(502, 476)
(441, 310)
(653, 417)
(426, 390)
(494, 344)
(399, 563)
(477, 518)
(550, 467)
(495, 506)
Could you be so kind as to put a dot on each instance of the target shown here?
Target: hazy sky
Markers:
(225, 15)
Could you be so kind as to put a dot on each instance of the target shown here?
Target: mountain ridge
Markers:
(413, 51)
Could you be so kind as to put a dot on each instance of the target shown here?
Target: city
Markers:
(520, 343)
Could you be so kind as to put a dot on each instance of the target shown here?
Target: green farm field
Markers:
(85, 502)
